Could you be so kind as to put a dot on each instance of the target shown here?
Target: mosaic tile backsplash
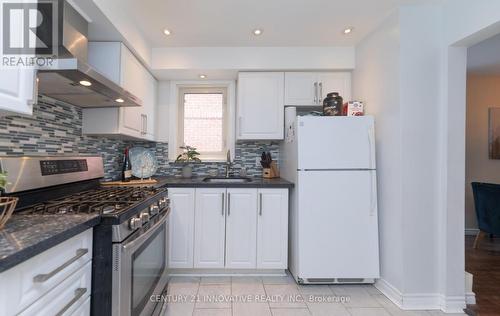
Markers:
(56, 129)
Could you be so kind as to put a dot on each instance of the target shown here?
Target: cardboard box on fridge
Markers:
(355, 108)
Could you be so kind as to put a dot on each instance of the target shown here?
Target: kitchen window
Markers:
(203, 121)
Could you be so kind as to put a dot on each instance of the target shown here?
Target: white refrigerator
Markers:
(333, 216)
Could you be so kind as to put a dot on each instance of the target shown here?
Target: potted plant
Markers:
(188, 156)
(7, 204)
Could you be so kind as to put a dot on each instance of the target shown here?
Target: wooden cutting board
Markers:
(131, 182)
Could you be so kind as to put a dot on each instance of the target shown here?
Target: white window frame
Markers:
(175, 108)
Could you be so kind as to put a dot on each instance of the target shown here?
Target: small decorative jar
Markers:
(332, 104)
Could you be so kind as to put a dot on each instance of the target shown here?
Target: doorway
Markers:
(482, 164)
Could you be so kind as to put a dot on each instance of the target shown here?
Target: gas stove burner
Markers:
(100, 200)
(64, 209)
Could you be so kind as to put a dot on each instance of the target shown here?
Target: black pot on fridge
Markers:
(332, 104)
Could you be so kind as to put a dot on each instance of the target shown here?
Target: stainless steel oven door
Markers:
(139, 270)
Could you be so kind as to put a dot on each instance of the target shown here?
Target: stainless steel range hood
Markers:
(62, 81)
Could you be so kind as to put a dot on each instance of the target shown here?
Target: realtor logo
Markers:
(29, 28)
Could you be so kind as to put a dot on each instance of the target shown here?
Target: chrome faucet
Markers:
(228, 163)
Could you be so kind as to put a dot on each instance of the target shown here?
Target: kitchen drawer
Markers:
(66, 298)
(84, 309)
(19, 289)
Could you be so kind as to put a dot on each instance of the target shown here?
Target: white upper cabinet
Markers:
(116, 61)
(260, 111)
(17, 91)
(241, 228)
(272, 229)
(301, 88)
(209, 230)
(310, 88)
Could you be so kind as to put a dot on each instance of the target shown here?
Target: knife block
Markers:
(269, 173)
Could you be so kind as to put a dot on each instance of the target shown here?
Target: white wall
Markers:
(399, 75)
(482, 93)
(376, 82)
(253, 58)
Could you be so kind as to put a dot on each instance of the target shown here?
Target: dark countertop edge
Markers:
(175, 182)
(31, 251)
(230, 185)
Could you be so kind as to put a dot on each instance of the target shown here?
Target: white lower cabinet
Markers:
(241, 228)
(209, 228)
(56, 281)
(232, 228)
(272, 229)
(181, 227)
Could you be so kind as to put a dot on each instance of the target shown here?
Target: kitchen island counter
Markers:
(25, 236)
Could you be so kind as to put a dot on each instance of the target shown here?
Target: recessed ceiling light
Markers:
(258, 32)
(202, 76)
(119, 100)
(167, 32)
(348, 30)
(85, 83)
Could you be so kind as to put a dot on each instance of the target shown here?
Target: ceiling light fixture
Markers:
(119, 100)
(348, 30)
(203, 76)
(167, 32)
(85, 83)
(257, 32)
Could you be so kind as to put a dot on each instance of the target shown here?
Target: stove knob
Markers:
(135, 223)
(144, 217)
(153, 210)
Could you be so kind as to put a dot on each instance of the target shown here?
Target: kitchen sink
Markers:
(226, 180)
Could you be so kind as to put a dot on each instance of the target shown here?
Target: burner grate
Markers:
(101, 200)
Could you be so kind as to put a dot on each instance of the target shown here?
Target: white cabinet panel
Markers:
(260, 109)
(116, 61)
(272, 229)
(310, 88)
(181, 227)
(209, 228)
(132, 78)
(241, 228)
(17, 90)
(66, 298)
(21, 285)
(301, 88)
(335, 82)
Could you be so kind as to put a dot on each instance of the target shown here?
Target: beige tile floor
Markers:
(279, 296)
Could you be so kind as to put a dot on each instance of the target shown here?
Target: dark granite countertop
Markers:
(177, 182)
(25, 236)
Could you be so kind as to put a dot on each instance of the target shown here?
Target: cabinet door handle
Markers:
(222, 204)
(40, 278)
(320, 92)
(79, 292)
(228, 204)
(315, 92)
(145, 123)
(260, 204)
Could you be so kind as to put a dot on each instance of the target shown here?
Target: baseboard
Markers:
(471, 231)
(391, 292)
(453, 304)
(421, 301)
(470, 298)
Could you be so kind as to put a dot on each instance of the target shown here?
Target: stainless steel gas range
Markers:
(130, 243)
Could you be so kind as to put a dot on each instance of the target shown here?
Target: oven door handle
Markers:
(142, 238)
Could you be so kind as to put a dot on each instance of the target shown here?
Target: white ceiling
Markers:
(484, 58)
(285, 22)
